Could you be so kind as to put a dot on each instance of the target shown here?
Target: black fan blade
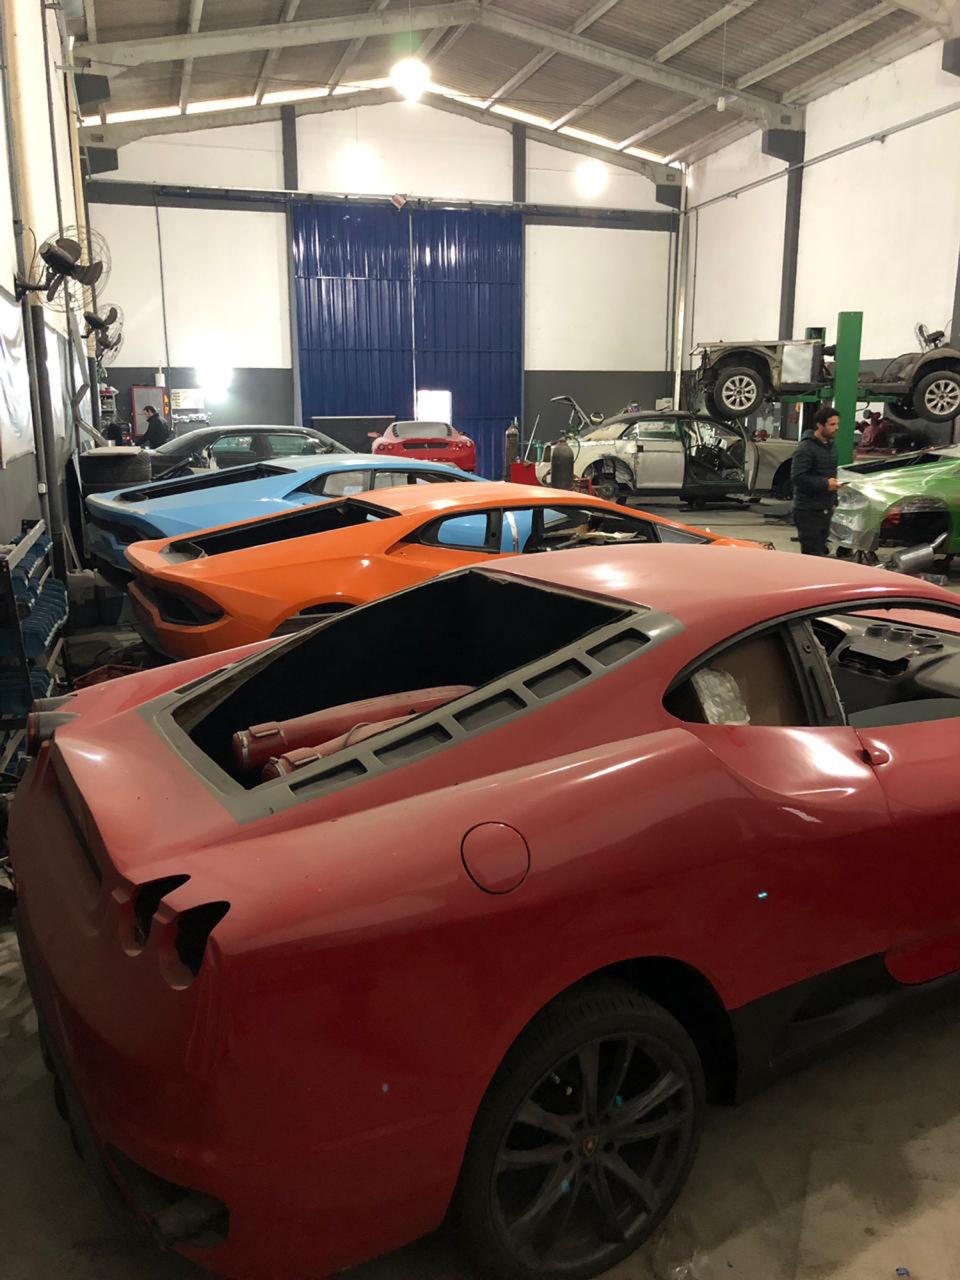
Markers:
(54, 285)
(88, 275)
(69, 247)
(111, 317)
(92, 319)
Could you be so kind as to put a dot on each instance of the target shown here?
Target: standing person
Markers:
(814, 475)
(157, 432)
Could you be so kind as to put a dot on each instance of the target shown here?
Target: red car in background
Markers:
(436, 441)
(580, 838)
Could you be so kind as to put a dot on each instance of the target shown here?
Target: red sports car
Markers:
(463, 900)
(435, 441)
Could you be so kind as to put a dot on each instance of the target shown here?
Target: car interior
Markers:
(518, 530)
(885, 670)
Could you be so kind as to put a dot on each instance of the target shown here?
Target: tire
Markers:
(113, 468)
(936, 397)
(902, 411)
(603, 478)
(738, 392)
(638, 1048)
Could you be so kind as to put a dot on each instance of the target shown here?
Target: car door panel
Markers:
(814, 822)
(659, 463)
(915, 765)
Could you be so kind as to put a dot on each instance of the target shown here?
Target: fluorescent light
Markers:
(525, 116)
(358, 86)
(358, 167)
(582, 134)
(643, 155)
(591, 178)
(294, 95)
(411, 78)
(145, 113)
(220, 104)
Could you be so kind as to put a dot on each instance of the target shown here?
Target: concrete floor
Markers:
(847, 1171)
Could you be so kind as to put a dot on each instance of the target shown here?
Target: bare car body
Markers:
(691, 455)
(737, 377)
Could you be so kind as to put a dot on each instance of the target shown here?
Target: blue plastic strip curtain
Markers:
(374, 323)
(468, 315)
(354, 314)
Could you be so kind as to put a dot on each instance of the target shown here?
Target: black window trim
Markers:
(812, 669)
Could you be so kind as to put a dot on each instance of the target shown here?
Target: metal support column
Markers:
(519, 164)
(846, 381)
(288, 142)
(791, 244)
(291, 181)
(54, 491)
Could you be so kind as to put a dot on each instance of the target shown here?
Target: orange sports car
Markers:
(240, 583)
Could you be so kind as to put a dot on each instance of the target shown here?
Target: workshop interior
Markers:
(479, 639)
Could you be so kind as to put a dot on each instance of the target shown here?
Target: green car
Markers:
(899, 502)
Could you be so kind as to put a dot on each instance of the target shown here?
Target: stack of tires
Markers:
(113, 467)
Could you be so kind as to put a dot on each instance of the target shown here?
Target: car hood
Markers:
(936, 480)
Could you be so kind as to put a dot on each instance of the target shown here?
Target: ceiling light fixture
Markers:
(411, 78)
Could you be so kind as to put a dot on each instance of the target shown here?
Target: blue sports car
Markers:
(164, 508)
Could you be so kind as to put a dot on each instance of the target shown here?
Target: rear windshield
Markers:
(296, 524)
(422, 430)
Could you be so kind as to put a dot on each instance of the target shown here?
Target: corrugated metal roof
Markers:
(554, 88)
(481, 61)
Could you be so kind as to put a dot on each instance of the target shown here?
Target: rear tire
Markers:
(584, 1140)
(936, 396)
(738, 392)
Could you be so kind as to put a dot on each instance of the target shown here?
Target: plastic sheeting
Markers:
(16, 417)
(388, 299)
(468, 319)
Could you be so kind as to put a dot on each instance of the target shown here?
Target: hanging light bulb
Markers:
(411, 78)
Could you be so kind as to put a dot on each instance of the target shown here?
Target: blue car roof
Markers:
(239, 493)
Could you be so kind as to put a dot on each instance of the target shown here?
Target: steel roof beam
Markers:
(116, 56)
(287, 14)
(193, 25)
(704, 28)
(601, 96)
(818, 44)
(667, 122)
(943, 15)
(530, 68)
(770, 113)
(118, 135)
(349, 55)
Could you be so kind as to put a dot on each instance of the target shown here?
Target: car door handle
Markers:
(639, 448)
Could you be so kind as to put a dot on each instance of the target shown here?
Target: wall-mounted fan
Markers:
(64, 265)
(106, 327)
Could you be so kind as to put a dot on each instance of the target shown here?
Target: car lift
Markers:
(844, 394)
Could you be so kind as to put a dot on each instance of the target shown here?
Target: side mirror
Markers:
(373, 435)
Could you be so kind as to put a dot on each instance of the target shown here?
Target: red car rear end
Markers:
(433, 441)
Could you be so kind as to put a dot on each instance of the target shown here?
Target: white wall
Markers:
(880, 225)
(8, 249)
(739, 246)
(234, 156)
(134, 280)
(225, 278)
(550, 180)
(596, 298)
(408, 149)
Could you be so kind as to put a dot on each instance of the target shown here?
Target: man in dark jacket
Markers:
(157, 432)
(814, 475)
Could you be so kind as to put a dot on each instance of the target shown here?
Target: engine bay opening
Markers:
(322, 518)
(422, 650)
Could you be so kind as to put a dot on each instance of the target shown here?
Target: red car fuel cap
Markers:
(496, 857)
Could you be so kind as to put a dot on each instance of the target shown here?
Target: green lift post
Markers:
(845, 392)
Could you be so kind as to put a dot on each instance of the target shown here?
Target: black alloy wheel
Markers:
(585, 1138)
